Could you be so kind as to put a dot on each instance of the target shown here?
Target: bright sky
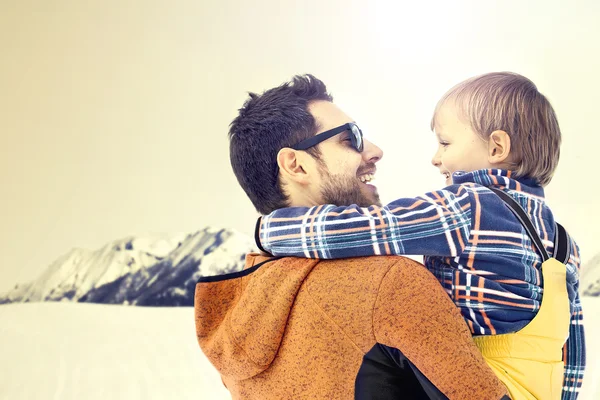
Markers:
(114, 115)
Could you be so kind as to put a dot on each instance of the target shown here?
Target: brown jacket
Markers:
(296, 328)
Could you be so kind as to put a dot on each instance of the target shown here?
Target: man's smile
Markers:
(365, 178)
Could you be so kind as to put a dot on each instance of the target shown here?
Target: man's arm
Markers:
(414, 315)
(436, 224)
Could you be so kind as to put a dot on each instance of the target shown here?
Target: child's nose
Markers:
(435, 161)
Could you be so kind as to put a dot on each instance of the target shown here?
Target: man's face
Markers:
(344, 173)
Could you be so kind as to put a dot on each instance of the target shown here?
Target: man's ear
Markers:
(498, 147)
(291, 165)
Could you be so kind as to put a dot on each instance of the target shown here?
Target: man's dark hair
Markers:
(267, 123)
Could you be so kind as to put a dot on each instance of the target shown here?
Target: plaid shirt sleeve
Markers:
(574, 350)
(574, 355)
(437, 224)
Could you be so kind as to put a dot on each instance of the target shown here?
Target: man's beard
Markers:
(345, 191)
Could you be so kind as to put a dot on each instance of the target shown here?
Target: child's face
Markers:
(460, 148)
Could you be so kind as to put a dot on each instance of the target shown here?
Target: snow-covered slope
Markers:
(153, 270)
(68, 351)
(96, 351)
(590, 277)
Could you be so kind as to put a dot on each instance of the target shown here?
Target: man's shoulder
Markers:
(369, 267)
(372, 268)
(372, 261)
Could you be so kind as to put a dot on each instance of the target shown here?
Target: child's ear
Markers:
(291, 165)
(498, 147)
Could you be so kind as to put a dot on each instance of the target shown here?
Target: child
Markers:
(494, 131)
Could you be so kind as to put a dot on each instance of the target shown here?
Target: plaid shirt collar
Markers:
(499, 178)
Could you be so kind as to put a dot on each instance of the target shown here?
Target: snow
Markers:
(590, 276)
(74, 274)
(159, 245)
(591, 312)
(80, 270)
(67, 351)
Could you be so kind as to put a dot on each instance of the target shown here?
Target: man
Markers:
(289, 328)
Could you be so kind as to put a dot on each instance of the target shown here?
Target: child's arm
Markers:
(435, 224)
(574, 355)
(574, 349)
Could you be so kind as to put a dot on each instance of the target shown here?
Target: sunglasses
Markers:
(356, 136)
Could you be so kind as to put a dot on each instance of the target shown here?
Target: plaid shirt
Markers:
(472, 243)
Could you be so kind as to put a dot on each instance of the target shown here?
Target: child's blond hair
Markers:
(510, 102)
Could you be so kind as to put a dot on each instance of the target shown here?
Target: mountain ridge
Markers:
(159, 270)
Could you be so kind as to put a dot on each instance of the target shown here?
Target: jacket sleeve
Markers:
(574, 350)
(574, 355)
(414, 315)
(435, 224)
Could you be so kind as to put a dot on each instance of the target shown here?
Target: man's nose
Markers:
(371, 152)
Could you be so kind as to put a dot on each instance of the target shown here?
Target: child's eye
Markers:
(444, 144)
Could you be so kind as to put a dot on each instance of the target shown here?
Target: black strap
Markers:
(525, 221)
(235, 275)
(562, 244)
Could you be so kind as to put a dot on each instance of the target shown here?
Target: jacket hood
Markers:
(241, 317)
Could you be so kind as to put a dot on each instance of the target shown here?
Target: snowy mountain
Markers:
(156, 270)
(590, 277)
